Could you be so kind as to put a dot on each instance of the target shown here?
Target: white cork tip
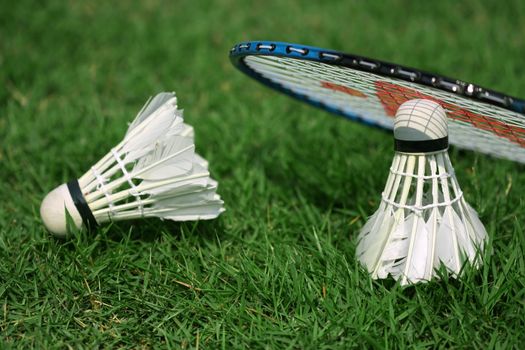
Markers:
(53, 211)
(420, 120)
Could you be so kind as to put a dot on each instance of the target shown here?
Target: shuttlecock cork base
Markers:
(423, 221)
(153, 172)
(59, 202)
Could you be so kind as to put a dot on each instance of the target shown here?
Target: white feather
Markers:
(446, 249)
(373, 239)
(201, 212)
(395, 250)
(197, 178)
(151, 106)
(418, 258)
(476, 226)
(143, 136)
(171, 159)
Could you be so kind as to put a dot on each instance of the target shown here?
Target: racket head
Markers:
(370, 91)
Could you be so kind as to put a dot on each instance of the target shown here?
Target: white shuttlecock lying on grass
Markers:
(153, 172)
(423, 220)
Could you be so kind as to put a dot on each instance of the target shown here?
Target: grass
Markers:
(277, 270)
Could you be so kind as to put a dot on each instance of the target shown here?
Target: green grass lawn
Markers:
(277, 270)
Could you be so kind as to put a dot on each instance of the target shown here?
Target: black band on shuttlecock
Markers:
(80, 203)
(426, 146)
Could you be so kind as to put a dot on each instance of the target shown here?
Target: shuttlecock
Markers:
(153, 172)
(423, 221)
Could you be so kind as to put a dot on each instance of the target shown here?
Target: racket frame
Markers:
(361, 63)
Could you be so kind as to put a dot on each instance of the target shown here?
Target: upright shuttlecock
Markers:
(423, 220)
(153, 172)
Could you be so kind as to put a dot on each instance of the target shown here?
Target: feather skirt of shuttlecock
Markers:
(423, 222)
(153, 172)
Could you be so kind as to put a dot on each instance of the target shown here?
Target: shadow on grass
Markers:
(147, 231)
